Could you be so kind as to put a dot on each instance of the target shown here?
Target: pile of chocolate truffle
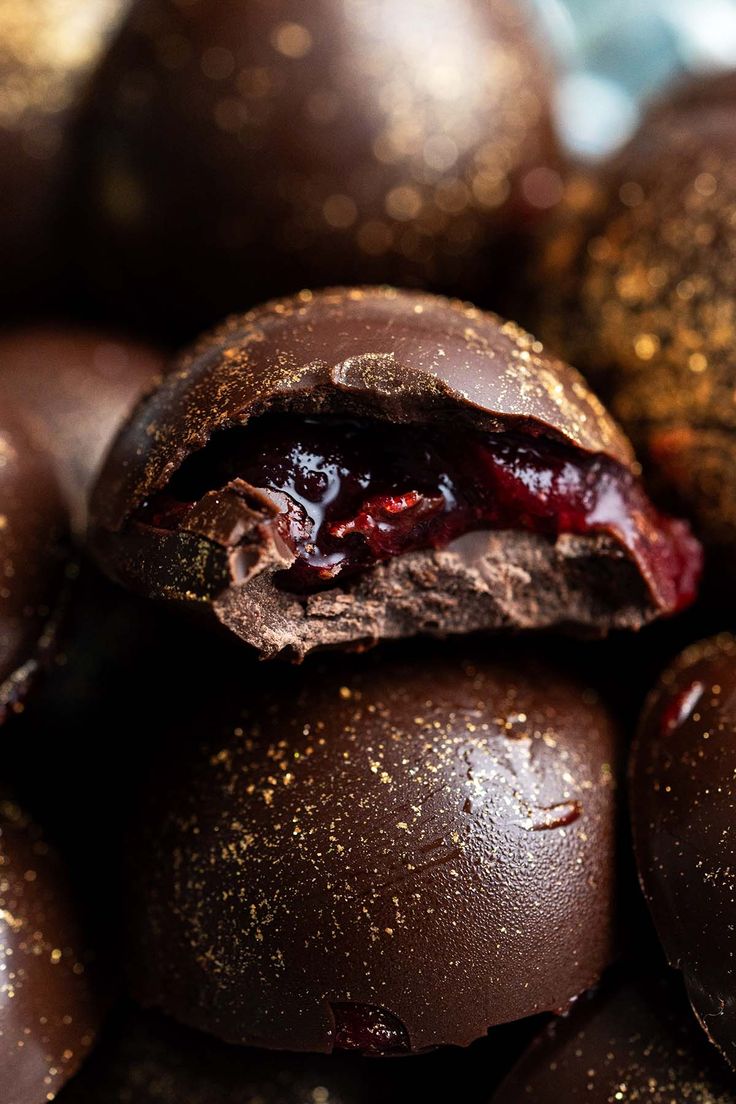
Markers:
(367, 702)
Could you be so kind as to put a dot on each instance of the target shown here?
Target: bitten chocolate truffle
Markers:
(362, 464)
(49, 1012)
(682, 798)
(309, 145)
(635, 1041)
(638, 283)
(33, 549)
(378, 856)
(74, 389)
(48, 49)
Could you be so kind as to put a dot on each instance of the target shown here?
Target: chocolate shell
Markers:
(310, 146)
(33, 551)
(48, 50)
(391, 359)
(682, 794)
(376, 855)
(635, 1041)
(49, 1012)
(638, 285)
(74, 389)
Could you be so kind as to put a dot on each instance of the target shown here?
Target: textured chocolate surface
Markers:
(401, 356)
(48, 49)
(74, 389)
(48, 1009)
(638, 283)
(33, 527)
(144, 1058)
(682, 794)
(635, 1041)
(430, 840)
(339, 143)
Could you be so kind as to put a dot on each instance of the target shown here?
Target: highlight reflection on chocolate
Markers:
(377, 856)
(361, 464)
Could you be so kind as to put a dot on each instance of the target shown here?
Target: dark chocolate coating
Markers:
(433, 839)
(49, 1011)
(310, 146)
(48, 49)
(389, 354)
(33, 526)
(74, 389)
(638, 283)
(634, 1041)
(144, 1058)
(682, 798)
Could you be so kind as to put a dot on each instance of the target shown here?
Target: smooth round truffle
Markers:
(74, 389)
(48, 48)
(361, 464)
(340, 143)
(638, 284)
(378, 856)
(682, 800)
(634, 1041)
(49, 1011)
(145, 1058)
(33, 549)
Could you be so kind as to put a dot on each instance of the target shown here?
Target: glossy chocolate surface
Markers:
(426, 366)
(339, 143)
(74, 388)
(635, 1041)
(637, 282)
(33, 550)
(49, 1013)
(379, 856)
(682, 798)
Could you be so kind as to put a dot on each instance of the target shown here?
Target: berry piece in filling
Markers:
(352, 494)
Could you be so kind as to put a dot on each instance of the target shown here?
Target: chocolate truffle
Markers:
(48, 49)
(635, 1041)
(310, 145)
(144, 1058)
(377, 856)
(74, 389)
(682, 797)
(33, 547)
(362, 464)
(48, 1008)
(639, 283)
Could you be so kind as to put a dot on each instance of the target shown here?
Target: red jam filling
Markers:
(368, 1030)
(359, 493)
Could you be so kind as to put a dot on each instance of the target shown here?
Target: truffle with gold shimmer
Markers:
(361, 464)
(33, 553)
(49, 1011)
(308, 145)
(633, 1041)
(682, 799)
(638, 283)
(377, 855)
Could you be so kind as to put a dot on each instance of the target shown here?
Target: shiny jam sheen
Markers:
(359, 493)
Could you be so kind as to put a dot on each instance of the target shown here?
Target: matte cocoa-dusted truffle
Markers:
(33, 549)
(74, 389)
(48, 49)
(145, 1058)
(634, 1041)
(377, 856)
(682, 798)
(49, 1011)
(362, 464)
(638, 283)
(311, 145)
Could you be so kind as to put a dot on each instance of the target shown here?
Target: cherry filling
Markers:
(354, 494)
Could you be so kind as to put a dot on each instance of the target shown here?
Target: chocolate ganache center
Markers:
(352, 494)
